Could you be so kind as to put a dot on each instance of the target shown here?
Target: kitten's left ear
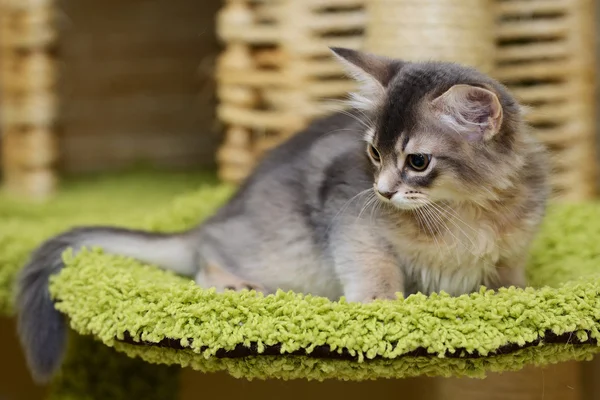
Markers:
(373, 72)
(470, 110)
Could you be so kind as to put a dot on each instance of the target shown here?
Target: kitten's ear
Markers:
(372, 72)
(470, 110)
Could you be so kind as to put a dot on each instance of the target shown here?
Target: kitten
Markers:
(446, 194)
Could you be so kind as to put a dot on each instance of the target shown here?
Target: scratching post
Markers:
(276, 72)
(444, 30)
(29, 106)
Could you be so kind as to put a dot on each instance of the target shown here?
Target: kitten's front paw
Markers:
(241, 285)
(222, 281)
(382, 297)
(370, 297)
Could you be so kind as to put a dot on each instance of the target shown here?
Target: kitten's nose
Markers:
(387, 195)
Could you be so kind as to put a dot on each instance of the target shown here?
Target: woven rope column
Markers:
(29, 106)
(445, 30)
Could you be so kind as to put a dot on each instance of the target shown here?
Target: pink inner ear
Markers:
(471, 111)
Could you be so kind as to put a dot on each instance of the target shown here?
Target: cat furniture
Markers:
(562, 327)
(159, 318)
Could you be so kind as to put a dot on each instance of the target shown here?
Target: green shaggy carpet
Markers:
(161, 318)
(93, 371)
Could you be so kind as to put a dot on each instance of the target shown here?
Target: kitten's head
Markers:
(438, 131)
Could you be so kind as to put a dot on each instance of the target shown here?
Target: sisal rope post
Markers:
(443, 30)
(29, 108)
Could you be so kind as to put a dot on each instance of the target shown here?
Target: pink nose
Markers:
(387, 195)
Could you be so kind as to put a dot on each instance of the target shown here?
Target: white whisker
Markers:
(346, 205)
(421, 212)
(434, 214)
(451, 213)
(451, 220)
(367, 204)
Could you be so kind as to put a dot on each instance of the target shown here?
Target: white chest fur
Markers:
(456, 254)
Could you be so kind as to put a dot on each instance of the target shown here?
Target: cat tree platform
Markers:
(114, 303)
(164, 319)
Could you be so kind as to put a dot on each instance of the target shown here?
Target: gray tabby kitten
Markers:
(433, 182)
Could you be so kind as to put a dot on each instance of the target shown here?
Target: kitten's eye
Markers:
(418, 162)
(374, 153)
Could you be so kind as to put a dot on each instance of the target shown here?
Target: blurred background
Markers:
(91, 87)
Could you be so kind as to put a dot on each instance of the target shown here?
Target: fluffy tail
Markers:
(42, 329)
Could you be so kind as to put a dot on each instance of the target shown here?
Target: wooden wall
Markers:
(137, 83)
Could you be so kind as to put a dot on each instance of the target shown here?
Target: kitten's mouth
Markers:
(401, 201)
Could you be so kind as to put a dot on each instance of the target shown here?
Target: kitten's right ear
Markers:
(371, 71)
(472, 111)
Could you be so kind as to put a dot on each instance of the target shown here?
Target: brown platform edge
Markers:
(324, 351)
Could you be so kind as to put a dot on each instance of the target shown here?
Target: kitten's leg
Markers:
(212, 275)
(366, 266)
(511, 273)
